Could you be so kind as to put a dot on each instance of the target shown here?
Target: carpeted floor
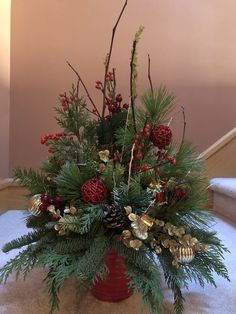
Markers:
(30, 297)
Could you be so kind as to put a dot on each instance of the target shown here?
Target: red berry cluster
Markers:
(141, 140)
(65, 101)
(47, 201)
(51, 137)
(171, 160)
(113, 100)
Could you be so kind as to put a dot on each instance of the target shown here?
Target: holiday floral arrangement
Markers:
(118, 203)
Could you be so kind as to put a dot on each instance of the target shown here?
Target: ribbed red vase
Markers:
(115, 287)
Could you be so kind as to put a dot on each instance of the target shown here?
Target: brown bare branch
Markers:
(184, 127)
(109, 57)
(149, 74)
(131, 83)
(85, 88)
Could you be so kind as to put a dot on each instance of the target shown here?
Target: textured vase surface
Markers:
(115, 287)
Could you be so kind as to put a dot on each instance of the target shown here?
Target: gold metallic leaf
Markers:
(128, 209)
(135, 244)
(126, 234)
(158, 249)
(104, 155)
(133, 217)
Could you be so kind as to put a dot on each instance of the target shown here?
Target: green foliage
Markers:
(144, 275)
(24, 262)
(133, 195)
(83, 223)
(27, 239)
(106, 129)
(34, 181)
(72, 245)
(112, 176)
(69, 181)
(37, 222)
(74, 117)
(157, 106)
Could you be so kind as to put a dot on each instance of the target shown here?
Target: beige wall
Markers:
(192, 45)
(4, 86)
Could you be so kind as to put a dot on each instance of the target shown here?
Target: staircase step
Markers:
(224, 200)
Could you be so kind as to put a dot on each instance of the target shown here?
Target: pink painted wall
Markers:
(4, 87)
(192, 46)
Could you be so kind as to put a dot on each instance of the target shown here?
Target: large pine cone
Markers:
(115, 217)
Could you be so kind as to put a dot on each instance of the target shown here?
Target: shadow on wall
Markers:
(4, 129)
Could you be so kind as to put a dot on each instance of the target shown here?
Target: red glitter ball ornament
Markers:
(93, 191)
(161, 136)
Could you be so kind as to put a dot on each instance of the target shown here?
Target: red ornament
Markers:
(161, 136)
(115, 287)
(93, 191)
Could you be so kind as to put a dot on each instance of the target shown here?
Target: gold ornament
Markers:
(184, 254)
(55, 212)
(35, 203)
(70, 210)
(104, 155)
(148, 221)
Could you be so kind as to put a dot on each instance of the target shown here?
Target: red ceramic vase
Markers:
(115, 287)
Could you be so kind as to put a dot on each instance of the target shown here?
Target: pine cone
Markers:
(115, 218)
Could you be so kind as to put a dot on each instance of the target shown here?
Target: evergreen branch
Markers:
(148, 284)
(158, 106)
(73, 245)
(37, 222)
(34, 181)
(109, 57)
(69, 181)
(90, 264)
(27, 239)
(82, 224)
(23, 262)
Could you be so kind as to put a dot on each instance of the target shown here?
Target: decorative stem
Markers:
(108, 58)
(85, 88)
(149, 73)
(131, 83)
(130, 164)
(184, 128)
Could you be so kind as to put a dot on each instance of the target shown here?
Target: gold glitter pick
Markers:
(57, 227)
(133, 217)
(147, 220)
(52, 209)
(158, 249)
(175, 263)
(126, 234)
(128, 209)
(135, 244)
(193, 241)
(73, 210)
(104, 155)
